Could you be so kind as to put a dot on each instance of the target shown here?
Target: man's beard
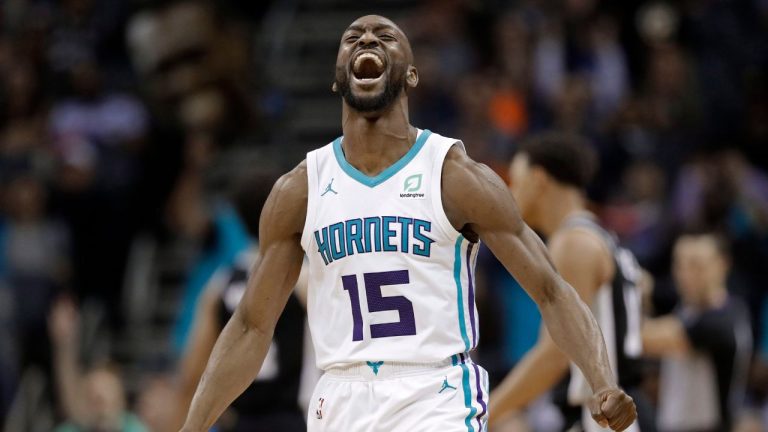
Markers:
(371, 104)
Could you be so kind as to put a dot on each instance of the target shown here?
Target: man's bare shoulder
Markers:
(463, 176)
(472, 191)
(286, 207)
(575, 241)
(295, 180)
(582, 249)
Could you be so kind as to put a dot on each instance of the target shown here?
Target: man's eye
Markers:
(352, 39)
(387, 37)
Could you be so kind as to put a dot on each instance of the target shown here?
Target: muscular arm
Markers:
(478, 202)
(243, 344)
(584, 262)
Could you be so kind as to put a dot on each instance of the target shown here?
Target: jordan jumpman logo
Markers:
(446, 386)
(329, 188)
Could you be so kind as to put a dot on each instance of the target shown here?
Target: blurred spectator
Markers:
(609, 74)
(580, 57)
(84, 31)
(153, 404)
(196, 65)
(22, 122)
(98, 133)
(93, 400)
(725, 192)
(705, 346)
(34, 250)
(637, 210)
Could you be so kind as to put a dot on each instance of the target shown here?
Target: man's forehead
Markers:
(698, 245)
(374, 21)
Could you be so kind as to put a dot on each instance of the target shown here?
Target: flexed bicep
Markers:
(478, 203)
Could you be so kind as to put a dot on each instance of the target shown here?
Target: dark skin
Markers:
(477, 203)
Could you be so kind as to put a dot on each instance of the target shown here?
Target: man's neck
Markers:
(716, 298)
(374, 142)
(559, 207)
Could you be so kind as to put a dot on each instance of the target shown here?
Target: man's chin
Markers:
(367, 102)
(370, 97)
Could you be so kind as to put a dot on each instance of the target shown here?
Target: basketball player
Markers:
(389, 216)
(270, 403)
(549, 175)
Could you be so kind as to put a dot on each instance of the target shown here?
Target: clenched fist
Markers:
(613, 408)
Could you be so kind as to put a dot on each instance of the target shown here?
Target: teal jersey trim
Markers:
(467, 397)
(387, 173)
(460, 292)
(463, 330)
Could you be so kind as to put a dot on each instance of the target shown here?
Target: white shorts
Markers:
(449, 396)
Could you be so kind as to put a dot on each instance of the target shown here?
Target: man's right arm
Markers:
(243, 344)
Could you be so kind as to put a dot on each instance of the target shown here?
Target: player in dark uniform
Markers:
(270, 403)
(549, 175)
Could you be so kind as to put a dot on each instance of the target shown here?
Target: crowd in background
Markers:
(119, 123)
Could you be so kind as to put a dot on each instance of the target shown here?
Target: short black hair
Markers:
(568, 158)
(719, 238)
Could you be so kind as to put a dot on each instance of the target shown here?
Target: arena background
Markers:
(133, 134)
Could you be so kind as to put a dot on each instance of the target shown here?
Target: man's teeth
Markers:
(361, 57)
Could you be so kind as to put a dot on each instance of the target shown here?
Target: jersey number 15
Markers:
(378, 303)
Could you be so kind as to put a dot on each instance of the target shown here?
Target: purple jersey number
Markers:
(378, 303)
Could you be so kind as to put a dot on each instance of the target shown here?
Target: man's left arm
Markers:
(477, 200)
(580, 259)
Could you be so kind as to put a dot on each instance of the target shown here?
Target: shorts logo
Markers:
(446, 386)
(319, 410)
(412, 187)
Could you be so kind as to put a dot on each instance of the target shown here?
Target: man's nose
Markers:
(368, 39)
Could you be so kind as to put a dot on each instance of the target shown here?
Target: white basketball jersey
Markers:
(389, 278)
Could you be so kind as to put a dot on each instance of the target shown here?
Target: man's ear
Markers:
(541, 179)
(334, 87)
(412, 77)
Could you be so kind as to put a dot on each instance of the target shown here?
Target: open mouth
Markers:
(368, 67)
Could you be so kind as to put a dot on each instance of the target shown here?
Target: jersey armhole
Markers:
(311, 199)
(437, 189)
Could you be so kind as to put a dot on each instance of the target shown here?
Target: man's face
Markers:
(524, 187)
(104, 394)
(372, 63)
(698, 268)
